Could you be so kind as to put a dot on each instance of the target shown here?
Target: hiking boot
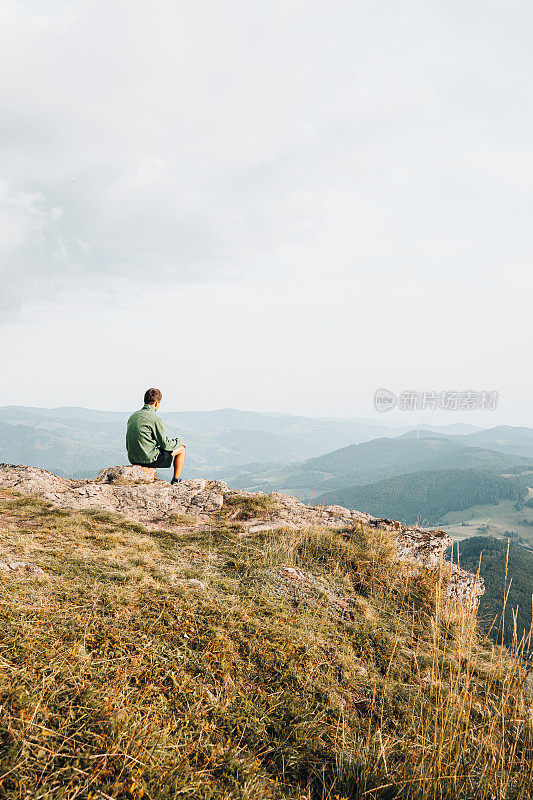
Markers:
(174, 481)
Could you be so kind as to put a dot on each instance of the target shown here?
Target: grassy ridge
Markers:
(351, 678)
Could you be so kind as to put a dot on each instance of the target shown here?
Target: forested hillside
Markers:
(360, 460)
(427, 496)
(369, 462)
(501, 571)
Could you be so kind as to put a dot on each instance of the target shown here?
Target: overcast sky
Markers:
(277, 205)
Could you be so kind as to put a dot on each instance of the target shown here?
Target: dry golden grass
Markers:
(238, 508)
(116, 682)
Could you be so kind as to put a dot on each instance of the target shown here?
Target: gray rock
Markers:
(127, 474)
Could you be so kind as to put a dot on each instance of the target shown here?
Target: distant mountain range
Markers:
(78, 442)
(503, 439)
(382, 458)
(403, 473)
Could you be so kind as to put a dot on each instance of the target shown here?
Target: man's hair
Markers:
(152, 396)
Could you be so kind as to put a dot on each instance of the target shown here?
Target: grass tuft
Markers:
(240, 508)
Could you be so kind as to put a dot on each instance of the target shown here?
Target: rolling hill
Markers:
(371, 461)
(425, 497)
(503, 439)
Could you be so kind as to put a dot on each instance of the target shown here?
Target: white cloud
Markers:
(377, 151)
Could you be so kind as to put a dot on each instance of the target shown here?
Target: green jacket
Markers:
(146, 437)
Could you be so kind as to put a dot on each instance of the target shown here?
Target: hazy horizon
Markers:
(481, 420)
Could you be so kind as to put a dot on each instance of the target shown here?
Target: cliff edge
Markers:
(138, 495)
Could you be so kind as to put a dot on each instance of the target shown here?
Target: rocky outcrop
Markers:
(137, 494)
(152, 503)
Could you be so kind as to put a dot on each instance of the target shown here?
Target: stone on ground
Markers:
(127, 475)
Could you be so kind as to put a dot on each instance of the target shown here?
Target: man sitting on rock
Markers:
(146, 441)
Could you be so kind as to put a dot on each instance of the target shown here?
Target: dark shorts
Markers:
(163, 461)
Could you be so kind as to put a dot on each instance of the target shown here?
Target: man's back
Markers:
(147, 442)
(141, 442)
(146, 437)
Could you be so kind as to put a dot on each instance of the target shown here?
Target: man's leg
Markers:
(179, 459)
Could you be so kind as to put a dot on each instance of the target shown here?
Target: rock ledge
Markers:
(137, 494)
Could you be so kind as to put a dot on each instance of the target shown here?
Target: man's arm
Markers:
(162, 439)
